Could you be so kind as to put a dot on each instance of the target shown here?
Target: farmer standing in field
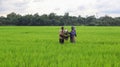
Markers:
(72, 34)
(61, 35)
(66, 34)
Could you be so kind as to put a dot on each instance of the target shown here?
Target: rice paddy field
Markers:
(38, 46)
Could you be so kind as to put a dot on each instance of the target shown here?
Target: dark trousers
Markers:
(72, 39)
(61, 41)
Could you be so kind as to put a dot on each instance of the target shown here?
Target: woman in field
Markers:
(61, 35)
(66, 34)
(72, 34)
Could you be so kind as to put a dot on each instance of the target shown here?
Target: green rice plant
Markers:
(38, 46)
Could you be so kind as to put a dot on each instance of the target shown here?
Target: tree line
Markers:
(57, 20)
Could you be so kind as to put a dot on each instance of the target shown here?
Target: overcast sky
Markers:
(74, 7)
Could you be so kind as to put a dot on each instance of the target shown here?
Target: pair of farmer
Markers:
(64, 35)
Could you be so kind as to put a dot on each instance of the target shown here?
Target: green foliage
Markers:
(55, 20)
(34, 46)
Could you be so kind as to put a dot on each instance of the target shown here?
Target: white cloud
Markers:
(8, 6)
(74, 7)
(107, 7)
